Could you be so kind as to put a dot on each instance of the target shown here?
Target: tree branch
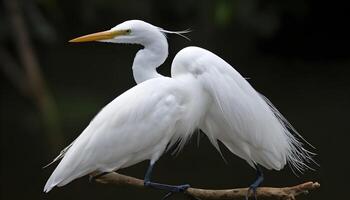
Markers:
(283, 193)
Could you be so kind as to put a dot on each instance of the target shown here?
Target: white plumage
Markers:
(241, 118)
(204, 92)
(134, 127)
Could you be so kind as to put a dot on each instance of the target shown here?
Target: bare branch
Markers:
(283, 193)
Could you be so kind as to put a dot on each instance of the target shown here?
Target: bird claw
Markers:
(182, 188)
(177, 188)
(167, 195)
(170, 188)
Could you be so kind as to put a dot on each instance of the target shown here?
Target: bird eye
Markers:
(128, 31)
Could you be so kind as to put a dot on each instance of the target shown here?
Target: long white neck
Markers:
(149, 58)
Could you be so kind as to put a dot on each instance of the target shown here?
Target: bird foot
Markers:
(170, 188)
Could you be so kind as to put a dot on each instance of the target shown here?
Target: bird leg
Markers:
(259, 179)
(170, 188)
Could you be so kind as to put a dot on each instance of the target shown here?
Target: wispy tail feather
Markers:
(299, 158)
(60, 156)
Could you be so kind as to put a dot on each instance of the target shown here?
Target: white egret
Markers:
(204, 92)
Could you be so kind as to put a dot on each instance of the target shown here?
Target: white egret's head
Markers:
(130, 32)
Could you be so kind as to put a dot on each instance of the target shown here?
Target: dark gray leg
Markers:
(170, 188)
(259, 179)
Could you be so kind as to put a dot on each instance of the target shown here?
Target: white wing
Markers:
(240, 117)
(134, 127)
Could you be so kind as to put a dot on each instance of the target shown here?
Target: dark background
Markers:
(295, 52)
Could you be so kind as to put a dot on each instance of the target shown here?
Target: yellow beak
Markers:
(104, 35)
